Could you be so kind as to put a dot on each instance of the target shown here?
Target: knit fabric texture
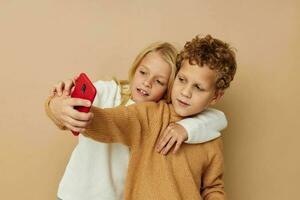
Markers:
(195, 172)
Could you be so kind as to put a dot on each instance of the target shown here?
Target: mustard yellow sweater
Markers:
(195, 172)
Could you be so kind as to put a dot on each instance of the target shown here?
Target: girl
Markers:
(97, 170)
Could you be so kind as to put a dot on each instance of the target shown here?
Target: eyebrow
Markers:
(197, 83)
(157, 75)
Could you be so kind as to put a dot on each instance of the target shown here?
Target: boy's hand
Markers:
(63, 110)
(63, 87)
(174, 134)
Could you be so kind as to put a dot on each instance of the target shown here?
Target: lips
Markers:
(183, 103)
(142, 92)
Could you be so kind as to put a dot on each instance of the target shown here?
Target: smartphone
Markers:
(84, 89)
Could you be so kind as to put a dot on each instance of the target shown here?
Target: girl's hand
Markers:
(62, 107)
(175, 134)
(63, 87)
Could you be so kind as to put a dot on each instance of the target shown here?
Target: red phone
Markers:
(84, 89)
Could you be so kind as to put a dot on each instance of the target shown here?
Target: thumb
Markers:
(72, 89)
(79, 102)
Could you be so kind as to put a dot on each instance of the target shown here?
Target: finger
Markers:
(77, 115)
(177, 146)
(170, 144)
(78, 102)
(75, 78)
(73, 128)
(53, 92)
(163, 142)
(91, 116)
(89, 122)
(68, 86)
(59, 88)
(75, 122)
(68, 110)
(72, 89)
(160, 144)
(81, 116)
(171, 126)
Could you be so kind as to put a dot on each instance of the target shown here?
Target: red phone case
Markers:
(84, 89)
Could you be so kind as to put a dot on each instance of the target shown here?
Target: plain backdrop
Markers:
(43, 42)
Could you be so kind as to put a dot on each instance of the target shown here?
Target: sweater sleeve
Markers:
(127, 125)
(212, 180)
(205, 126)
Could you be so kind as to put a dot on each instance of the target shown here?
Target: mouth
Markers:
(142, 92)
(183, 103)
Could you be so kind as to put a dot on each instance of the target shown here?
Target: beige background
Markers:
(42, 42)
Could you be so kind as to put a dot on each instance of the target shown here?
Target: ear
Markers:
(218, 95)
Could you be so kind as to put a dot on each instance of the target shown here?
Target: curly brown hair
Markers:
(215, 54)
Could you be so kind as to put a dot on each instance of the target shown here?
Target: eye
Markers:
(199, 88)
(181, 79)
(160, 82)
(142, 72)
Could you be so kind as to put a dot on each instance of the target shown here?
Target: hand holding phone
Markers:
(84, 89)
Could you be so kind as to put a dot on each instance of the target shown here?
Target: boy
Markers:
(207, 66)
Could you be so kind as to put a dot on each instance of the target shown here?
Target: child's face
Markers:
(194, 89)
(151, 78)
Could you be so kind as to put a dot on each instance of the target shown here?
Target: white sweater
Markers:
(97, 171)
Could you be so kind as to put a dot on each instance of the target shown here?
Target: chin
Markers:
(140, 99)
(181, 112)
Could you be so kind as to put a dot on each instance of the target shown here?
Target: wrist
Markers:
(50, 112)
(185, 136)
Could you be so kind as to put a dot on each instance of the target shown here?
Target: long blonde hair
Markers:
(168, 53)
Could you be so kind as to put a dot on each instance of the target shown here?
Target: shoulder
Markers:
(217, 117)
(211, 148)
(150, 105)
(144, 105)
(106, 85)
(151, 109)
(108, 93)
(214, 147)
(216, 143)
(213, 111)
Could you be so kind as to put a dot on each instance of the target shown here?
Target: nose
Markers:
(148, 82)
(186, 92)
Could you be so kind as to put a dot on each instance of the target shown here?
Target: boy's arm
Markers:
(107, 88)
(205, 126)
(60, 109)
(126, 125)
(212, 180)
(201, 128)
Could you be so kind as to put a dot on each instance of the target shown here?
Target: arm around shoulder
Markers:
(205, 126)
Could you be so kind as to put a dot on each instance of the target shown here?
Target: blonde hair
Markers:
(168, 53)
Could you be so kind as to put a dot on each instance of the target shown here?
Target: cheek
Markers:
(202, 101)
(158, 92)
(136, 78)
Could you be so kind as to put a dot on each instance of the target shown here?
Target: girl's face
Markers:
(151, 78)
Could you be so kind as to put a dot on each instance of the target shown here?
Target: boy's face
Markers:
(151, 78)
(194, 89)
